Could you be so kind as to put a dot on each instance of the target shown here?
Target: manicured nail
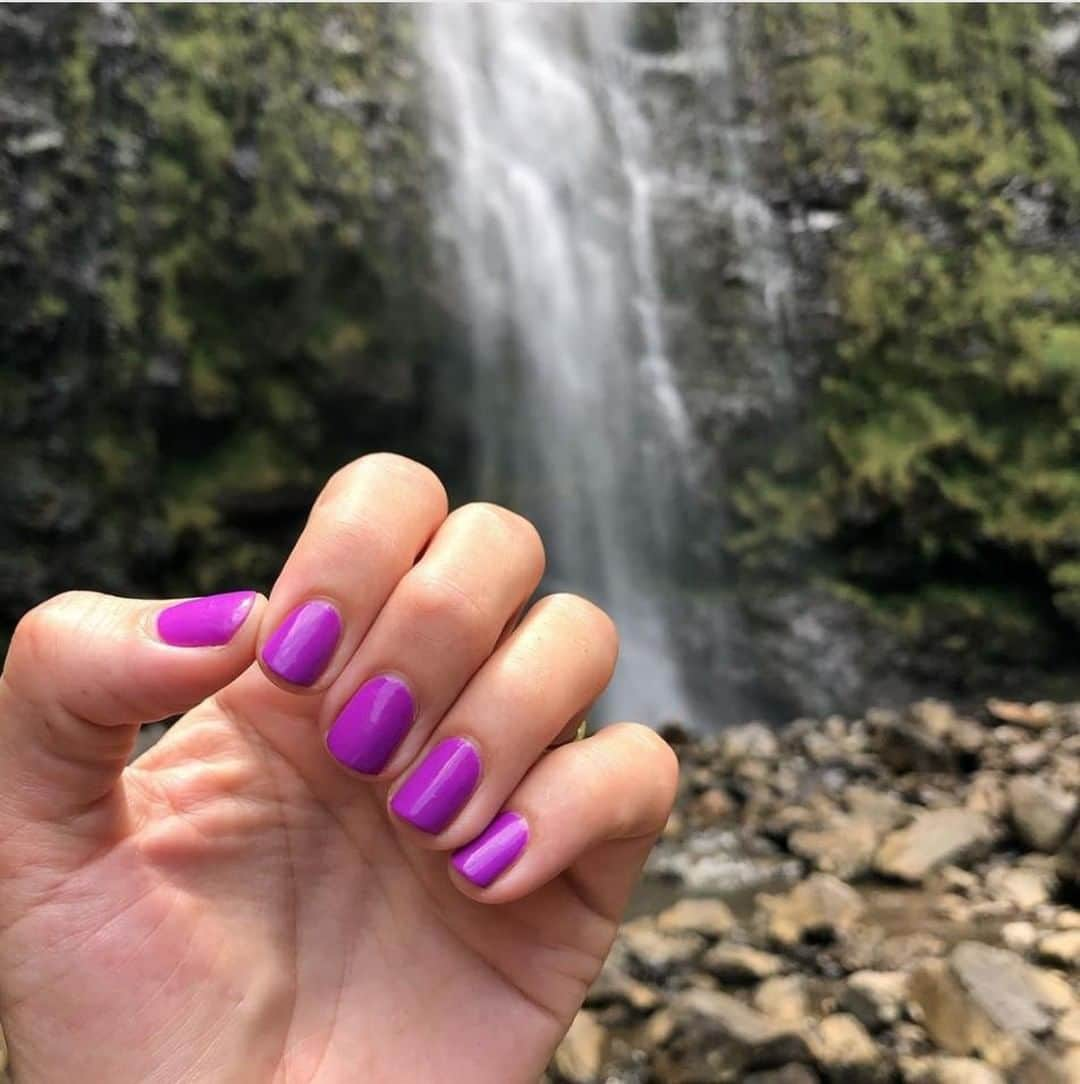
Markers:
(371, 725)
(205, 622)
(435, 792)
(302, 644)
(493, 851)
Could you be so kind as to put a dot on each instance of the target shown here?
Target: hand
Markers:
(240, 905)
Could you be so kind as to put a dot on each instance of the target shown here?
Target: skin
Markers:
(236, 905)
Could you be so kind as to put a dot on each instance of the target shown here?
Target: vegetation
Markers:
(938, 477)
(208, 216)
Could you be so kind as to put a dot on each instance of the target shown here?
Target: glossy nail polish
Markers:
(435, 792)
(371, 725)
(205, 622)
(301, 646)
(493, 851)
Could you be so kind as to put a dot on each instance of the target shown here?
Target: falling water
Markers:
(546, 209)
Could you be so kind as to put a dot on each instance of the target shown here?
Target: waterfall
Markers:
(545, 209)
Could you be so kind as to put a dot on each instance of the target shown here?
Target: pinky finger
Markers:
(590, 810)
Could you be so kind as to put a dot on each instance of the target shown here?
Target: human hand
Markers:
(237, 905)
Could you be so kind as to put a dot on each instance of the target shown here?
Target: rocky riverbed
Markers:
(889, 898)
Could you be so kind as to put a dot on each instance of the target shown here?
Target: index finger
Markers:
(385, 508)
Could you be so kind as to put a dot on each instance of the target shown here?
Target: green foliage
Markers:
(203, 280)
(946, 485)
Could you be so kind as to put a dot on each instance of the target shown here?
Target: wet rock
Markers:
(844, 847)
(935, 838)
(718, 1038)
(875, 998)
(1061, 949)
(845, 1053)
(711, 918)
(820, 909)
(740, 965)
(580, 1056)
(983, 1000)
(1041, 812)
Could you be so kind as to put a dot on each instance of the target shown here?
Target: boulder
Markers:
(711, 918)
(741, 965)
(845, 846)
(783, 999)
(718, 1038)
(1041, 812)
(656, 953)
(845, 1053)
(983, 1000)
(579, 1058)
(875, 998)
(820, 909)
(937, 837)
(1061, 949)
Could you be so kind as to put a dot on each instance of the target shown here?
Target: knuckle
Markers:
(586, 623)
(435, 602)
(506, 528)
(404, 471)
(39, 629)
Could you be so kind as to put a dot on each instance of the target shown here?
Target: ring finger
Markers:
(546, 674)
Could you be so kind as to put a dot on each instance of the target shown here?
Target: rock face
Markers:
(937, 838)
(964, 970)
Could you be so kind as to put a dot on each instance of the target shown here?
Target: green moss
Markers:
(947, 416)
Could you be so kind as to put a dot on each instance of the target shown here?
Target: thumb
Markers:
(85, 670)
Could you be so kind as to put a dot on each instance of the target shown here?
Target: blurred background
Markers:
(769, 316)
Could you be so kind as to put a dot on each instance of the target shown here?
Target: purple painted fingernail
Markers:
(205, 622)
(371, 725)
(302, 644)
(435, 792)
(493, 851)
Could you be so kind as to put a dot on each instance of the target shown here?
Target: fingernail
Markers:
(205, 622)
(435, 792)
(493, 851)
(302, 644)
(371, 725)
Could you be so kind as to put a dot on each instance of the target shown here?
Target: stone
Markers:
(945, 1070)
(845, 1053)
(1024, 888)
(884, 810)
(1068, 1028)
(614, 986)
(751, 741)
(820, 909)
(580, 1056)
(712, 918)
(1062, 949)
(789, 1074)
(1028, 756)
(844, 847)
(875, 998)
(935, 838)
(1019, 936)
(717, 1038)
(783, 998)
(741, 965)
(1036, 716)
(658, 953)
(983, 1000)
(1041, 812)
